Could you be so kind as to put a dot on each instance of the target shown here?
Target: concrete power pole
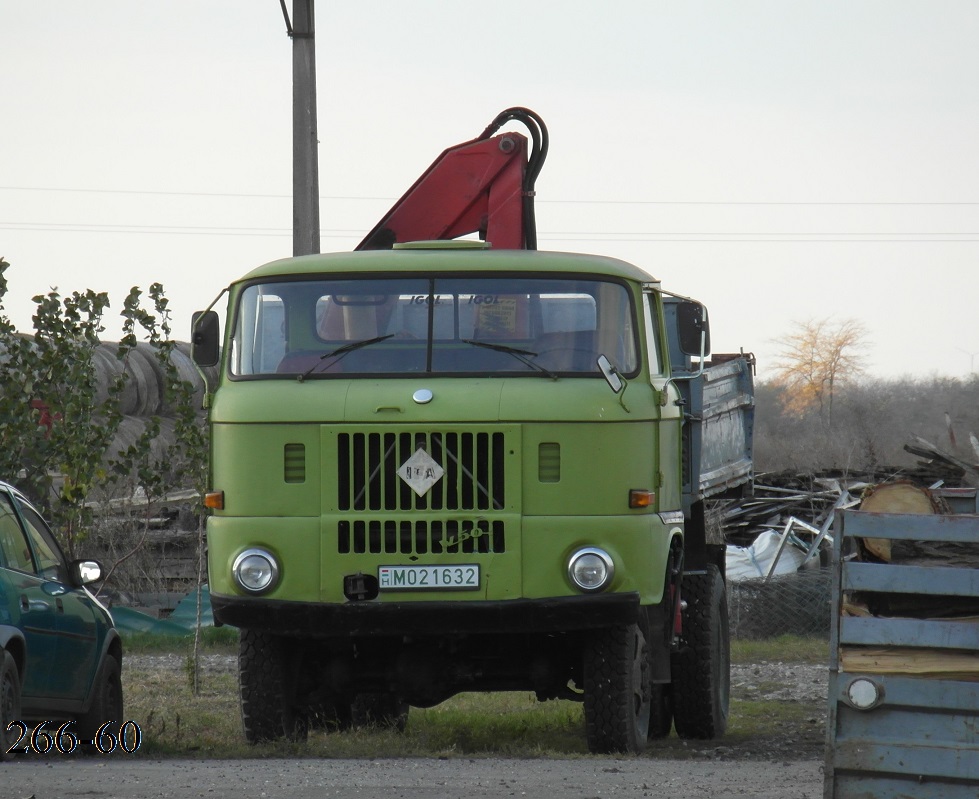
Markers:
(305, 164)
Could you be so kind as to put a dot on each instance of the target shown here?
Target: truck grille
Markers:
(420, 537)
(367, 471)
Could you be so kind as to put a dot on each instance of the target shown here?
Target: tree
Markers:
(57, 426)
(815, 361)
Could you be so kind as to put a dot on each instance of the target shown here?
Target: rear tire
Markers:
(617, 691)
(9, 701)
(107, 703)
(702, 667)
(266, 683)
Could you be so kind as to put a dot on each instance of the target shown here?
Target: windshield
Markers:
(489, 325)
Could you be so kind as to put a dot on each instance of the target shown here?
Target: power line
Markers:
(593, 236)
(357, 198)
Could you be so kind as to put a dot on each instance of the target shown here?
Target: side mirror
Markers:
(84, 572)
(693, 328)
(610, 373)
(205, 338)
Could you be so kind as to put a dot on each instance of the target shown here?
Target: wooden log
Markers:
(898, 497)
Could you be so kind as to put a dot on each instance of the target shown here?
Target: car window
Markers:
(51, 564)
(13, 543)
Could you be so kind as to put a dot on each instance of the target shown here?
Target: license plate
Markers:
(460, 577)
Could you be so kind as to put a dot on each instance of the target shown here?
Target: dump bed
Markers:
(719, 409)
(904, 668)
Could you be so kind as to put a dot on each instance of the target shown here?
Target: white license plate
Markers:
(458, 577)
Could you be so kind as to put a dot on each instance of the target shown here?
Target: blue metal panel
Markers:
(718, 429)
(908, 526)
(897, 579)
(909, 759)
(858, 786)
(910, 632)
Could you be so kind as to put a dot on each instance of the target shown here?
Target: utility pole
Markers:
(305, 164)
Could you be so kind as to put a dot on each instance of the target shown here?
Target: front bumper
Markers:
(348, 620)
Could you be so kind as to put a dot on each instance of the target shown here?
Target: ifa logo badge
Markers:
(421, 472)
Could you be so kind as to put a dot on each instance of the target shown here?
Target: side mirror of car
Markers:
(84, 572)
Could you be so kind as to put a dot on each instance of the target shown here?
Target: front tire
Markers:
(617, 691)
(9, 701)
(702, 667)
(266, 683)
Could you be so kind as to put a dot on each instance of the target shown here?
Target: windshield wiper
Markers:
(523, 356)
(341, 351)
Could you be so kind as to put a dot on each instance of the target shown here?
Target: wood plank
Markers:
(932, 663)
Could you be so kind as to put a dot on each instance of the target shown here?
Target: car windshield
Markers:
(476, 325)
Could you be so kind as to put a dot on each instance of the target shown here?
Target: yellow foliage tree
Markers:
(815, 360)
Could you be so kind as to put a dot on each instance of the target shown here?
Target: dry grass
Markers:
(176, 723)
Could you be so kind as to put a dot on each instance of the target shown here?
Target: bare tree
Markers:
(815, 361)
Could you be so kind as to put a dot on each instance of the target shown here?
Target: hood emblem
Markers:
(421, 471)
(422, 396)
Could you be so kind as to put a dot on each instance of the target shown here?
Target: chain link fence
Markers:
(788, 604)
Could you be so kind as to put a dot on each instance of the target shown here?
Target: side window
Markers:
(13, 544)
(51, 564)
(652, 334)
(259, 340)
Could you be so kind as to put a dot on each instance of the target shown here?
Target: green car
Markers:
(60, 655)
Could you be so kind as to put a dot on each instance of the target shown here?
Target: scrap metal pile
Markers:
(779, 541)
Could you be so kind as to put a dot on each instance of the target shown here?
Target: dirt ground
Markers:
(784, 765)
(584, 778)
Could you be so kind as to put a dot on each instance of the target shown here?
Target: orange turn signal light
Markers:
(641, 498)
(214, 500)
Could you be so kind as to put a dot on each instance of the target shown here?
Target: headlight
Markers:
(256, 571)
(864, 694)
(590, 569)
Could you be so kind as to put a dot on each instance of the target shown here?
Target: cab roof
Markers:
(449, 260)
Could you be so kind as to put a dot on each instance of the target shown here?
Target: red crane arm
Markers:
(482, 186)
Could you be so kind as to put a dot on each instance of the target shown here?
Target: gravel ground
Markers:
(785, 766)
(495, 778)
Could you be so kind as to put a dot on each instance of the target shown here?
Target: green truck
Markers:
(444, 467)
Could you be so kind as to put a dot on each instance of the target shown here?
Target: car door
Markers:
(27, 605)
(75, 612)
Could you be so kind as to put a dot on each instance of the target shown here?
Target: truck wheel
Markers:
(9, 701)
(266, 683)
(702, 667)
(106, 703)
(617, 690)
(385, 711)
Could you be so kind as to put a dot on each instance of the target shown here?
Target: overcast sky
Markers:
(781, 161)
